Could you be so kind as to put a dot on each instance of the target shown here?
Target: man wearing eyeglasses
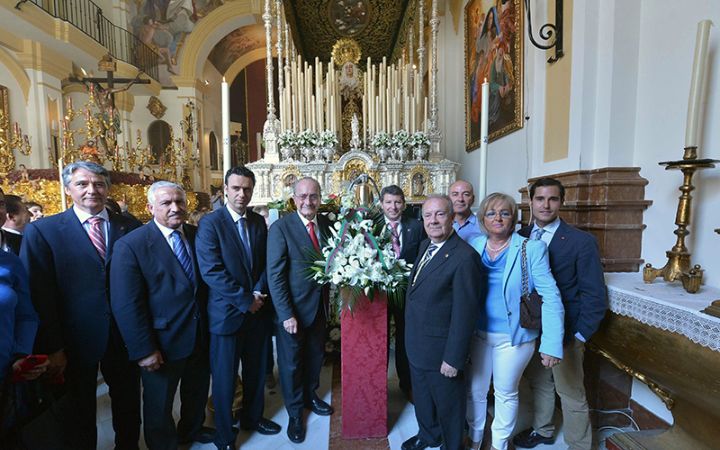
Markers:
(300, 305)
(575, 265)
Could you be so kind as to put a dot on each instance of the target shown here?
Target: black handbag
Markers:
(530, 302)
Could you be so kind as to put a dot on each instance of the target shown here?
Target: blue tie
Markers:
(245, 238)
(182, 255)
(537, 234)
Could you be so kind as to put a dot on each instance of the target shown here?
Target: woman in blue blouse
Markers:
(18, 320)
(501, 348)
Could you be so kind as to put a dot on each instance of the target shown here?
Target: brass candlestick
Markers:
(678, 264)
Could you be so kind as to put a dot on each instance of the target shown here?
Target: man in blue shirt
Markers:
(465, 222)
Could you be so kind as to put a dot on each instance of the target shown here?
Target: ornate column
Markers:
(411, 56)
(434, 133)
(271, 129)
(281, 70)
(421, 39)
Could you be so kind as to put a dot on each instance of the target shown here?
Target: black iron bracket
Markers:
(552, 33)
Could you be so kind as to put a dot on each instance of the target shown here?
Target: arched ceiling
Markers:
(235, 45)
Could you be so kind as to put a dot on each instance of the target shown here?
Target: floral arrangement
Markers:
(381, 139)
(419, 139)
(326, 138)
(359, 257)
(307, 138)
(288, 138)
(400, 138)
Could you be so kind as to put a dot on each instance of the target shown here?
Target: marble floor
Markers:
(401, 421)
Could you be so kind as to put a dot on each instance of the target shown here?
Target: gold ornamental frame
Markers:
(353, 168)
(428, 187)
(281, 185)
(510, 21)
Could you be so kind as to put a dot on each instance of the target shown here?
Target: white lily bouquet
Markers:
(359, 258)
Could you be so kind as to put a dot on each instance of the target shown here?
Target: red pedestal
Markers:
(364, 369)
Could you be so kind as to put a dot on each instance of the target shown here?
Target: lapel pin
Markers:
(446, 255)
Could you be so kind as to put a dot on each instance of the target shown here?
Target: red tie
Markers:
(97, 234)
(313, 236)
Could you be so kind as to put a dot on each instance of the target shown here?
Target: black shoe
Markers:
(296, 430)
(414, 443)
(530, 439)
(319, 407)
(264, 426)
(204, 436)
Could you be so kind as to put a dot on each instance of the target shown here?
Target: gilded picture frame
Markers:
(493, 50)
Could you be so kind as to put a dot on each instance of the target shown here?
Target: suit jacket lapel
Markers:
(232, 231)
(438, 259)
(513, 257)
(190, 236)
(300, 229)
(559, 238)
(75, 232)
(115, 232)
(159, 247)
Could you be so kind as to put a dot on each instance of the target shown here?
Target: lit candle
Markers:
(695, 102)
(483, 138)
(226, 126)
(17, 129)
(69, 103)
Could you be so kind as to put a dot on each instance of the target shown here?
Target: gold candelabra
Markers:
(678, 266)
(10, 141)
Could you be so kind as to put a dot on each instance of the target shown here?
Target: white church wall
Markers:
(17, 107)
(667, 41)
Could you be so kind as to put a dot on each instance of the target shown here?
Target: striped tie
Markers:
(425, 260)
(395, 238)
(182, 255)
(97, 235)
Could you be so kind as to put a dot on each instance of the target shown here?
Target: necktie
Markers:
(537, 234)
(97, 235)
(245, 238)
(182, 255)
(395, 238)
(425, 260)
(313, 236)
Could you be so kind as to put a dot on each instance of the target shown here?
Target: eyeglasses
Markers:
(503, 214)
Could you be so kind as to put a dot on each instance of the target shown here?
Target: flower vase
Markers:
(307, 154)
(287, 153)
(364, 368)
(420, 152)
(400, 153)
(328, 153)
(382, 153)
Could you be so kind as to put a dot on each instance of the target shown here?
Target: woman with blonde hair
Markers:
(501, 347)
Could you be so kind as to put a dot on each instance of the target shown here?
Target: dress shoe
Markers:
(530, 439)
(226, 447)
(415, 443)
(296, 430)
(204, 436)
(264, 426)
(320, 407)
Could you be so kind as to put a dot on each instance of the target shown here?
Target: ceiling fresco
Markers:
(236, 44)
(374, 24)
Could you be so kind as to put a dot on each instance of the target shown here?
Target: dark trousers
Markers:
(159, 387)
(401, 361)
(77, 411)
(250, 345)
(439, 407)
(300, 358)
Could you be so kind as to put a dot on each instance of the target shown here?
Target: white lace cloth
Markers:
(666, 306)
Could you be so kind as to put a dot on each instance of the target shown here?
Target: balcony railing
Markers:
(88, 18)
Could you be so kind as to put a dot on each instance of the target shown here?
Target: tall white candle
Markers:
(696, 83)
(483, 139)
(226, 126)
(63, 200)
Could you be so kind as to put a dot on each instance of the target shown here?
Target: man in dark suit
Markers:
(67, 257)
(232, 251)
(8, 241)
(299, 303)
(447, 285)
(15, 218)
(159, 302)
(406, 235)
(575, 265)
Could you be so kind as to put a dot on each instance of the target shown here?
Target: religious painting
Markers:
(349, 17)
(235, 45)
(493, 52)
(164, 25)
